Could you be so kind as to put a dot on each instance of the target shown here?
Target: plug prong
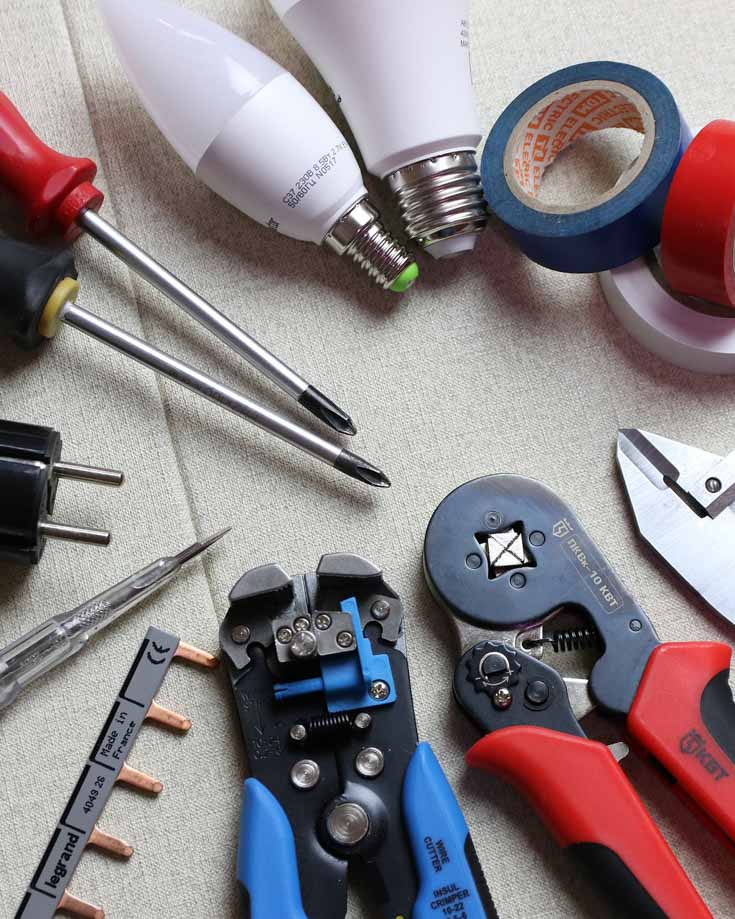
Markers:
(74, 534)
(88, 474)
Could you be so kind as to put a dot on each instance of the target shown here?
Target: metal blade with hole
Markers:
(679, 495)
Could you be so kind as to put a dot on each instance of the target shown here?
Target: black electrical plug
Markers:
(30, 468)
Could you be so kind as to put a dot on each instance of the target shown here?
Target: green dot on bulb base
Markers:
(405, 279)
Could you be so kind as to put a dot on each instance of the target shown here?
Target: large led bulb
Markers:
(249, 130)
(400, 69)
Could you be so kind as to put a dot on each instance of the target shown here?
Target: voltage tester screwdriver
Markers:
(57, 639)
(57, 197)
(39, 286)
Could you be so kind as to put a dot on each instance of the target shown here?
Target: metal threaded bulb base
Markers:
(441, 199)
(361, 235)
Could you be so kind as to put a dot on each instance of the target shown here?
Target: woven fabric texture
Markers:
(490, 365)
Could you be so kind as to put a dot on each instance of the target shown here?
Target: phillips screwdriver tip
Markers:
(198, 547)
(327, 411)
(360, 469)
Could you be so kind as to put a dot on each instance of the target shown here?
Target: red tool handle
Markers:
(684, 715)
(585, 799)
(53, 189)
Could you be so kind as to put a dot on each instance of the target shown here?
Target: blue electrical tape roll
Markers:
(610, 229)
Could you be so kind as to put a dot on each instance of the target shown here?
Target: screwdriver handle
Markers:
(53, 189)
(29, 275)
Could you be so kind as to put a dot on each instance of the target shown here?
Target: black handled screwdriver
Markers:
(40, 286)
(57, 196)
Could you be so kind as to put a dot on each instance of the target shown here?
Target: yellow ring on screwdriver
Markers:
(50, 321)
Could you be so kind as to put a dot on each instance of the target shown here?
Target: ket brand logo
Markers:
(693, 744)
(562, 528)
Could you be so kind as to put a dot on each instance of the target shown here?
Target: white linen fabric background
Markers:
(490, 365)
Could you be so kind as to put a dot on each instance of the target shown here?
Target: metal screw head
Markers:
(345, 639)
(297, 732)
(537, 538)
(323, 621)
(493, 519)
(362, 721)
(713, 485)
(518, 580)
(473, 561)
(348, 824)
(304, 644)
(503, 699)
(380, 609)
(284, 635)
(305, 774)
(301, 624)
(240, 634)
(370, 762)
(635, 625)
(379, 690)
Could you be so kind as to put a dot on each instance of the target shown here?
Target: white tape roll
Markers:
(690, 333)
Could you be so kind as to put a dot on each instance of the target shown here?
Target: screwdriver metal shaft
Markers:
(217, 323)
(198, 382)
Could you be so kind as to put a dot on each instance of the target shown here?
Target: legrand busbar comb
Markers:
(107, 764)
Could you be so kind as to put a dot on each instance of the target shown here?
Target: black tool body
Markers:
(263, 601)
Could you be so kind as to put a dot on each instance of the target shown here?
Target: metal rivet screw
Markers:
(348, 824)
(379, 690)
(518, 580)
(537, 538)
(473, 561)
(493, 519)
(303, 645)
(345, 639)
(305, 774)
(370, 762)
(380, 609)
(297, 732)
(323, 621)
(301, 624)
(503, 699)
(284, 635)
(241, 634)
(713, 485)
(362, 721)
(635, 625)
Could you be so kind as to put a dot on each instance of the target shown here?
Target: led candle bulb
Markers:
(400, 69)
(249, 130)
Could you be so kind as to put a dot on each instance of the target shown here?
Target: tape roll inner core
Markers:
(561, 118)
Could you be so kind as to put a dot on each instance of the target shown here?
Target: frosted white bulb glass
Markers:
(401, 72)
(249, 130)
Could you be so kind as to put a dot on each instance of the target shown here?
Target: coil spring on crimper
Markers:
(564, 640)
(328, 725)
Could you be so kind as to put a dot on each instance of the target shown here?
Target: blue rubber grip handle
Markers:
(266, 857)
(441, 844)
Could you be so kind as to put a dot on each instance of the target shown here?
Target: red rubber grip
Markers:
(53, 189)
(698, 231)
(584, 797)
(683, 698)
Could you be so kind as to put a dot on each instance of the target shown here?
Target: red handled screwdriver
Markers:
(58, 197)
(39, 292)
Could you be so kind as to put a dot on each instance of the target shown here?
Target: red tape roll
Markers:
(698, 233)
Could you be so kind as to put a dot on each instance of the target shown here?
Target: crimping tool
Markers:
(503, 555)
(682, 498)
(320, 678)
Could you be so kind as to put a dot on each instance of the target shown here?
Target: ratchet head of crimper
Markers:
(682, 501)
(503, 554)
